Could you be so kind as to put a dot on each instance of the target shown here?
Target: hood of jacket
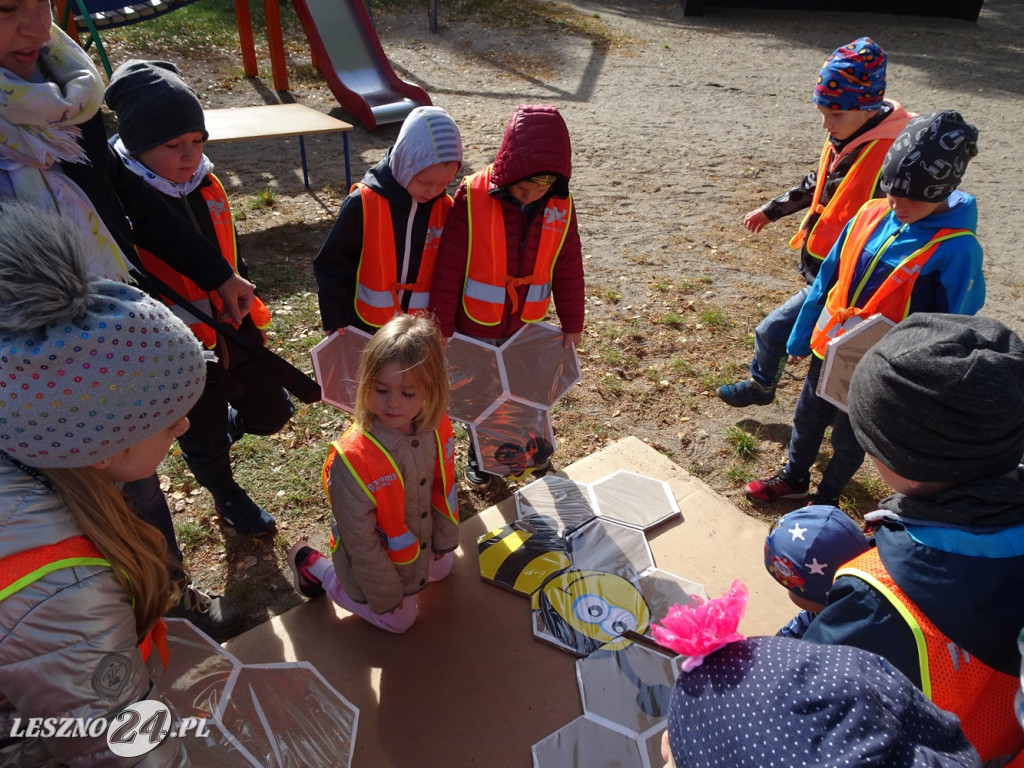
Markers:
(536, 140)
(380, 179)
(962, 214)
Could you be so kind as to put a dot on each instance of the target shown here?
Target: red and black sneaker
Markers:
(778, 486)
(300, 557)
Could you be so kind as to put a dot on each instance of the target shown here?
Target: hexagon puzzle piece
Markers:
(336, 363)
(474, 376)
(635, 500)
(630, 687)
(536, 367)
(289, 715)
(556, 498)
(520, 557)
(513, 436)
(585, 742)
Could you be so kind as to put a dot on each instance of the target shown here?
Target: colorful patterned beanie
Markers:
(88, 367)
(853, 77)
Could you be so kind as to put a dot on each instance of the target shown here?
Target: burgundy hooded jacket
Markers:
(536, 141)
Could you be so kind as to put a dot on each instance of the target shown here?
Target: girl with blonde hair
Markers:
(390, 480)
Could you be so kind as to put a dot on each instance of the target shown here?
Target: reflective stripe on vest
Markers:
(954, 680)
(857, 187)
(19, 570)
(381, 480)
(488, 284)
(377, 297)
(892, 297)
(220, 214)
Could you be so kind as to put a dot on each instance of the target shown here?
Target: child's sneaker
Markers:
(778, 486)
(817, 500)
(740, 394)
(213, 614)
(300, 557)
(245, 515)
(475, 476)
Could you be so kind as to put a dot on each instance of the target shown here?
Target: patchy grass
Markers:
(744, 444)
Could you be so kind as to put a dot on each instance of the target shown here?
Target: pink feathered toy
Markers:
(698, 631)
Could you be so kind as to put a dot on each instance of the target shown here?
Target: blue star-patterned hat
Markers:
(805, 548)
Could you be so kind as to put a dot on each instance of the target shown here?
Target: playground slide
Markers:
(352, 61)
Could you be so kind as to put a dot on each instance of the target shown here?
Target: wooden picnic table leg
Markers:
(275, 42)
(244, 22)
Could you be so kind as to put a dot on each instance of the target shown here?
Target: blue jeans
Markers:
(770, 339)
(812, 417)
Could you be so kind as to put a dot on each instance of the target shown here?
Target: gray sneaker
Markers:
(213, 614)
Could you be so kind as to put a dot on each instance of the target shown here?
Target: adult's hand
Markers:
(237, 293)
(571, 340)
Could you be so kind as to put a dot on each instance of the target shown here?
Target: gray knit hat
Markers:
(88, 367)
(941, 398)
(153, 105)
(927, 160)
(428, 137)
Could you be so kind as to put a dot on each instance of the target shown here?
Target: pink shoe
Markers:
(300, 557)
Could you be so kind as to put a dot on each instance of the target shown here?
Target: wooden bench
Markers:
(276, 121)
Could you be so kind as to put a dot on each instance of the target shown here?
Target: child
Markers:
(390, 481)
(861, 126)
(916, 251)
(378, 259)
(161, 131)
(778, 701)
(938, 404)
(802, 552)
(83, 581)
(517, 221)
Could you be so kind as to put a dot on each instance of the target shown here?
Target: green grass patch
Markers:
(673, 319)
(610, 385)
(714, 317)
(744, 444)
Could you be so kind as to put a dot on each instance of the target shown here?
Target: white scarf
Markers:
(168, 187)
(39, 128)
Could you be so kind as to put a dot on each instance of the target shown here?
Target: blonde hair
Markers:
(414, 343)
(137, 551)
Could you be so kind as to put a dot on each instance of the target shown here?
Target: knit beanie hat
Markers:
(941, 398)
(853, 77)
(88, 367)
(428, 137)
(779, 701)
(928, 159)
(153, 105)
(804, 549)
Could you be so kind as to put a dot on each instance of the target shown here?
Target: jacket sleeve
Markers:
(858, 615)
(567, 285)
(450, 269)
(165, 231)
(71, 652)
(963, 283)
(799, 344)
(368, 561)
(337, 263)
(445, 534)
(797, 198)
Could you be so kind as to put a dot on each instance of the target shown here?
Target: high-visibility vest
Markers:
(953, 679)
(381, 480)
(892, 298)
(220, 214)
(857, 187)
(488, 283)
(19, 570)
(377, 285)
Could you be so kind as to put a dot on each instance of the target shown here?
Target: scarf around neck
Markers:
(39, 130)
(169, 188)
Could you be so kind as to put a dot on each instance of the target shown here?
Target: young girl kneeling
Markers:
(390, 480)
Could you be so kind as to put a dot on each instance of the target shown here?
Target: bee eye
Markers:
(619, 621)
(591, 608)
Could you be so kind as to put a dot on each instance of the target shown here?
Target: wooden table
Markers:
(276, 121)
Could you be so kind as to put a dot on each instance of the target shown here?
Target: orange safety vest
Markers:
(377, 283)
(19, 570)
(488, 283)
(950, 677)
(892, 298)
(381, 480)
(220, 214)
